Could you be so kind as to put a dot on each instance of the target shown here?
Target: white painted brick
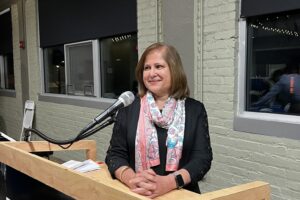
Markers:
(238, 157)
(219, 17)
(213, 3)
(223, 25)
(215, 63)
(218, 53)
(291, 194)
(221, 71)
(293, 153)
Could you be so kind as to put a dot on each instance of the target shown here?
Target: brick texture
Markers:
(238, 157)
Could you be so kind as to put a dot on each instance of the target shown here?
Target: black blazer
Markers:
(196, 154)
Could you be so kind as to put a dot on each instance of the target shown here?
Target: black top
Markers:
(161, 137)
(196, 154)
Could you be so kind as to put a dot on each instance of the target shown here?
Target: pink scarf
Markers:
(172, 118)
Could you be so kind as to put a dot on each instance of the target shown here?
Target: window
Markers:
(273, 49)
(94, 53)
(118, 60)
(54, 69)
(81, 68)
(95, 68)
(268, 45)
(6, 52)
(7, 80)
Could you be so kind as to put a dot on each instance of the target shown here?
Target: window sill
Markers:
(8, 93)
(286, 126)
(90, 102)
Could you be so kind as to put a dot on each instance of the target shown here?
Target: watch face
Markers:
(179, 181)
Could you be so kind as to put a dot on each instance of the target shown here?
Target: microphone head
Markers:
(126, 98)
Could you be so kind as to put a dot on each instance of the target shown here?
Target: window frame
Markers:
(4, 73)
(270, 124)
(83, 101)
(96, 65)
(97, 102)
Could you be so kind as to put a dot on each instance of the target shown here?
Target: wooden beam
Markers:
(40, 146)
(250, 191)
(99, 184)
(74, 184)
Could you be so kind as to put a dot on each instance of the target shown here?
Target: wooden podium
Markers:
(98, 184)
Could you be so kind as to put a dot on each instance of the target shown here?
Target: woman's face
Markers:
(156, 74)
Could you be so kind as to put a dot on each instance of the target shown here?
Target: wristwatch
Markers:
(179, 180)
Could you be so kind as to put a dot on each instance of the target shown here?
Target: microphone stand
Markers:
(86, 134)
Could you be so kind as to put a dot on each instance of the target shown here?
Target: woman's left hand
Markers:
(155, 185)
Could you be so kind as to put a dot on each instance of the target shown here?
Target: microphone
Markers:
(125, 99)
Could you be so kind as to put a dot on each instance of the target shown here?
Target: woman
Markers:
(161, 141)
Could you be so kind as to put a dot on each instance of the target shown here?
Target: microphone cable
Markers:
(125, 99)
(81, 135)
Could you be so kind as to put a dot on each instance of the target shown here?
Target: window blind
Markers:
(66, 21)
(250, 8)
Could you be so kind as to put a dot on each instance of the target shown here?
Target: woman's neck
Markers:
(160, 101)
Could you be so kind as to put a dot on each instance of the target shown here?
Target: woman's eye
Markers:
(159, 66)
(146, 68)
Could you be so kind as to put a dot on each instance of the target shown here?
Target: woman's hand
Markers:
(152, 185)
(142, 182)
(140, 178)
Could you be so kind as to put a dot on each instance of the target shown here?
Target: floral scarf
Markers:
(172, 118)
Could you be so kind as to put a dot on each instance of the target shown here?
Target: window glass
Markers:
(54, 68)
(2, 77)
(273, 49)
(7, 80)
(118, 61)
(9, 71)
(99, 68)
(80, 69)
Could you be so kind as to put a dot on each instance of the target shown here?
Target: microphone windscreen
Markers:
(127, 98)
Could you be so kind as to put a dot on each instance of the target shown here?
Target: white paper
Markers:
(85, 166)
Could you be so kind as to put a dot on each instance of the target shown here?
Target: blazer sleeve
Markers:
(199, 154)
(117, 154)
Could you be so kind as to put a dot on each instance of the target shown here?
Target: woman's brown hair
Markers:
(179, 87)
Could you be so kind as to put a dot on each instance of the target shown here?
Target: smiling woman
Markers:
(161, 141)
(157, 76)
(170, 56)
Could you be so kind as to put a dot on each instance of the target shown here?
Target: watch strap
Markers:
(179, 180)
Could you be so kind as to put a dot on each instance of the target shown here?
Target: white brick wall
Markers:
(148, 23)
(238, 157)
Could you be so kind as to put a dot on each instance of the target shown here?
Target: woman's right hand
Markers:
(142, 183)
(133, 180)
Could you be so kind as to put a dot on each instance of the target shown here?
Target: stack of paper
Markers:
(85, 166)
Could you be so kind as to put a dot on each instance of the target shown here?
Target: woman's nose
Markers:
(152, 71)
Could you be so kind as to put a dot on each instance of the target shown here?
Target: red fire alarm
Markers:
(22, 44)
